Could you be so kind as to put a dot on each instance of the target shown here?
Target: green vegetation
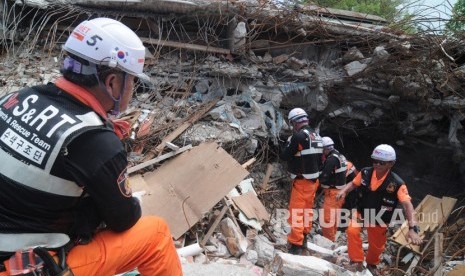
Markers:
(456, 24)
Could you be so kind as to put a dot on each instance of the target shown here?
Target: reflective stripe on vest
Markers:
(350, 169)
(309, 151)
(342, 169)
(315, 148)
(36, 178)
(18, 160)
(307, 175)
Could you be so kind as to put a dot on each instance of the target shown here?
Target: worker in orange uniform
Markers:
(332, 179)
(380, 190)
(303, 153)
(64, 166)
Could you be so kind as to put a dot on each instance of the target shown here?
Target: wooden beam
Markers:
(214, 225)
(158, 159)
(249, 162)
(181, 128)
(438, 252)
(188, 46)
(172, 146)
(413, 265)
(269, 170)
(230, 211)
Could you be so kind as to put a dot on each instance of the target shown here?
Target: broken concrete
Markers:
(398, 89)
(286, 264)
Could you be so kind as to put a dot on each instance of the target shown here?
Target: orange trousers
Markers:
(300, 209)
(147, 245)
(331, 213)
(376, 242)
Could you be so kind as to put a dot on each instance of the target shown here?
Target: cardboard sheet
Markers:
(184, 188)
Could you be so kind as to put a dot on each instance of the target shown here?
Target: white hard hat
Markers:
(104, 41)
(296, 114)
(384, 152)
(327, 141)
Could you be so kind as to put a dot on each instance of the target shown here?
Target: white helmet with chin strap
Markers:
(105, 41)
(384, 152)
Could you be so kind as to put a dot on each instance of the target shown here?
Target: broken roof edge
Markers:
(268, 13)
(160, 6)
(344, 14)
(341, 27)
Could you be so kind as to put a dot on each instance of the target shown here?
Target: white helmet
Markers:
(384, 152)
(327, 141)
(296, 114)
(105, 41)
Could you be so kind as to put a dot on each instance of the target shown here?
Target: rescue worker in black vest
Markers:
(332, 179)
(64, 166)
(381, 190)
(303, 153)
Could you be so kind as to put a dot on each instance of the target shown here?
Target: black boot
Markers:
(373, 269)
(304, 243)
(295, 249)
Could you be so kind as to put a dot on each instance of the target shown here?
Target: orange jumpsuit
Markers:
(332, 178)
(331, 211)
(376, 233)
(303, 153)
(300, 209)
(148, 243)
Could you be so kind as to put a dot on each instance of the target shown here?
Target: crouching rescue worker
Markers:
(64, 167)
(380, 191)
(332, 179)
(303, 155)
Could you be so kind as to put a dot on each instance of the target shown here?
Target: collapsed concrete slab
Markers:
(287, 264)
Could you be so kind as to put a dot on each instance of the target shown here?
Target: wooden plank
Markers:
(251, 206)
(414, 263)
(180, 129)
(438, 250)
(188, 46)
(269, 170)
(458, 270)
(431, 214)
(158, 159)
(230, 211)
(249, 162)
(214, 225)
(184, 188)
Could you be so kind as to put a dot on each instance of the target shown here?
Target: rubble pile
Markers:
(229, 71)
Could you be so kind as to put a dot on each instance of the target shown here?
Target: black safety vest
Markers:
(384, 198)
(36, 125)
(337, 178)
(306, 162)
